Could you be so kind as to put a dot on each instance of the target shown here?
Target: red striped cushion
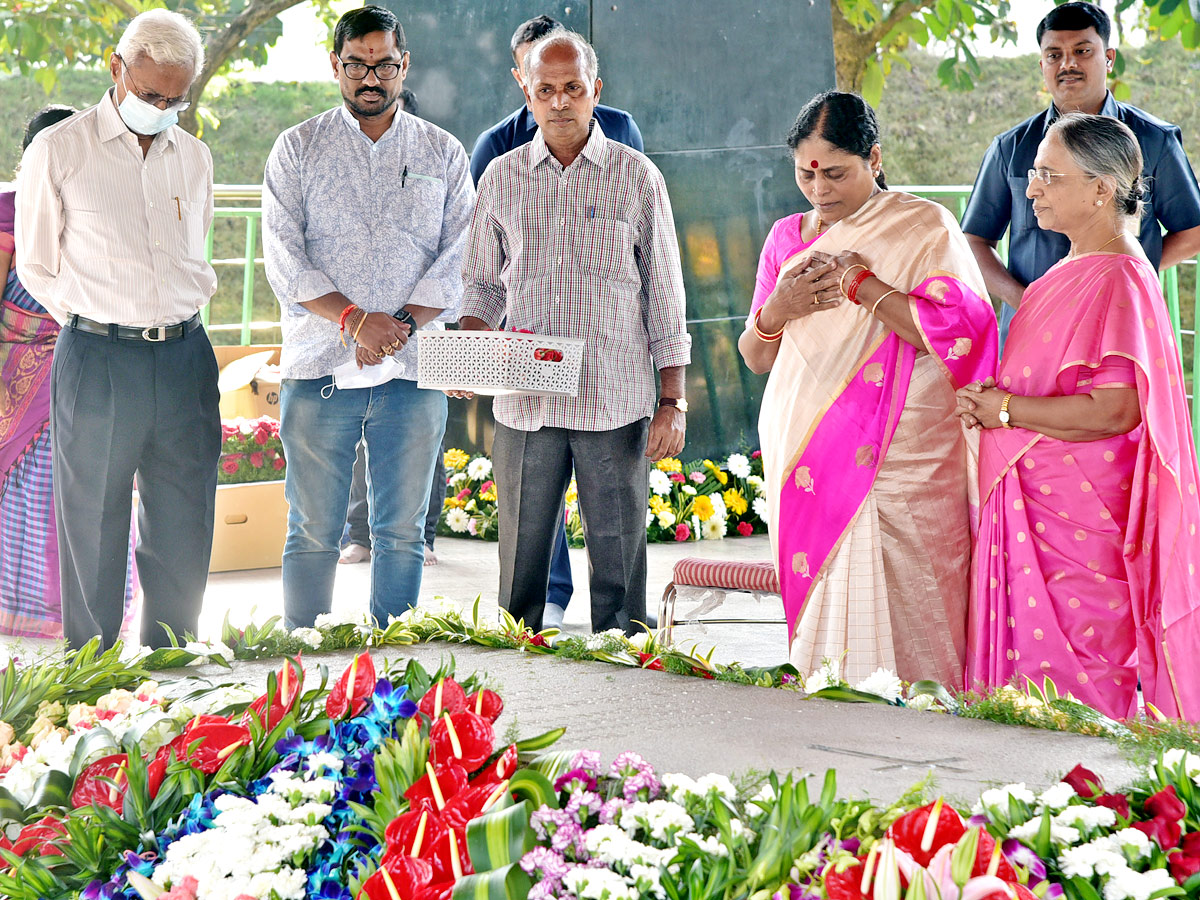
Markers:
(728, 575)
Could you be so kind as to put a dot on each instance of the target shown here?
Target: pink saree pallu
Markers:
(1085, 569)
(867, 463)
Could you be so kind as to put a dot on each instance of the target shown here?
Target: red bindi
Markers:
(813, 164)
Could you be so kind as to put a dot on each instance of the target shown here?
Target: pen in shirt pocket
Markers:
(591, 212)
(403, 176)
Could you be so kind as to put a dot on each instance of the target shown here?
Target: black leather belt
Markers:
(155, 334)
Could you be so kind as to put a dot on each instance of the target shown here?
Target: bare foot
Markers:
(430, 556)
(355, 553)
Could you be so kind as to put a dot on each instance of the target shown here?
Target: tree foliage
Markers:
(41, 38)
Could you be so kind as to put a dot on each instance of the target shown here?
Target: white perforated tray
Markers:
(497, 363)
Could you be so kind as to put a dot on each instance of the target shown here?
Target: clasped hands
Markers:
(811, 287)
(979, 404)
(382, 331)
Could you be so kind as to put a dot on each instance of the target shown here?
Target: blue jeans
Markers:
(402, 426)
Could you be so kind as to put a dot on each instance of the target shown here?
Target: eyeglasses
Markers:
(356, 71)
(1045, 176)
(177, 104)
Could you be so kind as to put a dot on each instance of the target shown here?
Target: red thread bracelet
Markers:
(345, 315)
(855, 283)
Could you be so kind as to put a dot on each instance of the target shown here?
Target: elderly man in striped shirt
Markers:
(572, 235)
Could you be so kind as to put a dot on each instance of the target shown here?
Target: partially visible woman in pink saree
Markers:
(1085, 567)
(869, 313)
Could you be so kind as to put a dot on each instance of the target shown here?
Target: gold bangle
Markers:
(842, 280)
(762, 335)
(884, 297)
(358, 328)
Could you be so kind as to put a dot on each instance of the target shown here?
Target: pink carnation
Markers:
(698, 477)
(463, 494)
(185, 890)
(745, 529)
(682, 531)
(676, 477)
(256, 459)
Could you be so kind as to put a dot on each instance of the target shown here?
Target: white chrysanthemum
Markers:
(921, 702)
(738, 465)
(666, 518)
(1056, 796)
(760, 507)
(765, 795)
(1086, 817)
(710, 844)
(826, 676)
(456, 480)
(598, 884)
(659, 482)
(458, 520)
(479, 468)
(689, 490)
(657, 818)
(1172, 759)
(713, 529)
(679, 787)
(714, 783)
(1060, 835)
(1133, 842)
(756, 482)
(310, 637)
(720, 510)
(1126, 884)
(210, 648)
(883, 683)
(649, 518)
(997, 798)
(341, 617)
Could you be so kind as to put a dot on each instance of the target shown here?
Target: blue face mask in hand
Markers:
(142, 117)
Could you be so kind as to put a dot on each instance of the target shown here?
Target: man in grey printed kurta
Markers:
(365, 210)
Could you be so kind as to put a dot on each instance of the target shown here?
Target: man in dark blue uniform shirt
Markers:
(518, 129)
(515, 131)
(1075, 62)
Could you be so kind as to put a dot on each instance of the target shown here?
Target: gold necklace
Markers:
(820, 224)
(1102, 246)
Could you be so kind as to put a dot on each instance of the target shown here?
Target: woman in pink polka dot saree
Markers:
(1085, 565)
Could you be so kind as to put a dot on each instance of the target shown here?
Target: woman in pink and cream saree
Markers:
(1085, 568)
(869, 314)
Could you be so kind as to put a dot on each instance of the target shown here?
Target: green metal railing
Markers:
(953, 197)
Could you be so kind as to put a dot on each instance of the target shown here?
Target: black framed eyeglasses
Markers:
(178, 104)
(357, 71)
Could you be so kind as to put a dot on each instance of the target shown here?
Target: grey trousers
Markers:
(122, 408)
(532, 470)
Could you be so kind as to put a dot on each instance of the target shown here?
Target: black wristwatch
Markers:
(405, 317)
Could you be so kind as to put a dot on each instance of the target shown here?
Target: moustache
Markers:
(362, 91)
(1074, 73)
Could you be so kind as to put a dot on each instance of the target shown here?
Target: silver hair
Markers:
(1106, 148)
(591, 65)
(165, 37)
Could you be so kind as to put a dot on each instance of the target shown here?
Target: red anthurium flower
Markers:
(464, 737)
(1166, 804)
(503, 768)
(1087, 784)
(485, 703)
(38, 836)
(1183, 866)
(846, 884)
(436, 891)
(216, 743)
(1191, 843)
(1118, 803)
(90, 789)
(450, 779)
(471, 803)
(983, 860)
(538, 640)
(353, 689)
(649, 661)
(397, 878)
(414, 834)
(446, 695)
(908, 831)
(287, 688)
(1162, 831)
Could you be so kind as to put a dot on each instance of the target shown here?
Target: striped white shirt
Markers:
(589, 252)
(110, 236)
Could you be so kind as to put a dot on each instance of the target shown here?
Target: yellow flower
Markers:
(452, 503)
(735, 502)
(488, 496)
(669, 464)
(658, 504)
(703, 507)
(455, 459)
(572, 493)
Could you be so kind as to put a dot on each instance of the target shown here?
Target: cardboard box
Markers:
(250, 526)
(248, 388)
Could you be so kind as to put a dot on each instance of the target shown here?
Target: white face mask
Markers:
(142, 117)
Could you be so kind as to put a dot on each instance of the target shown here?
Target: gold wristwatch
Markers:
(1004, 415)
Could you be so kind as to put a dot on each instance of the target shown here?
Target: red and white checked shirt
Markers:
(588, 252)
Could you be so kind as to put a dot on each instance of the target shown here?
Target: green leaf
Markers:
(52, 789)
(535, 787)
(500, 837)
(10, 809)
(97, 742)
(507, 883)
(541, 741)
(847, 695)
(872, 83)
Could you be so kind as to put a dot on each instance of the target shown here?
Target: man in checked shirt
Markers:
(572, 235)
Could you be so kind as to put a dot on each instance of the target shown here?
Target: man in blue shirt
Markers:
(1075, 62)
(514, 131)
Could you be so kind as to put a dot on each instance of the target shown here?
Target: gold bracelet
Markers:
(762, 335)
(358, 328)
(842, 280)
(884, 297)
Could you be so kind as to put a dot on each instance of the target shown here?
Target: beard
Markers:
(370, 94)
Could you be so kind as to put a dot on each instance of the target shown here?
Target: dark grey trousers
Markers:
(118, 409)
(533, 469)
(359, 530)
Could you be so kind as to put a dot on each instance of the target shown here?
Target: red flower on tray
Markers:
(353, 689)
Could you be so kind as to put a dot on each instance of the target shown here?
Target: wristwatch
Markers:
(1004, 415)
(678, 402)
(406, 318)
